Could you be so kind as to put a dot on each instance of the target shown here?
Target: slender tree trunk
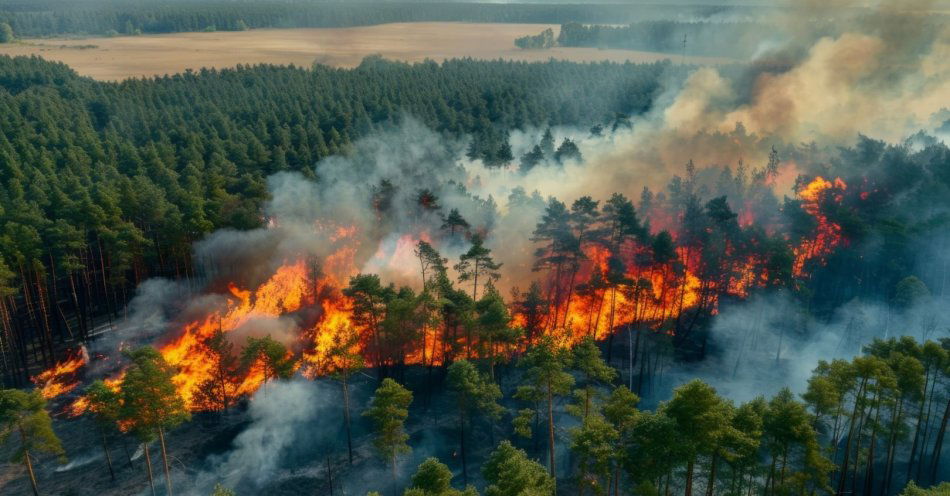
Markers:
(711, 485)
(920, 421)
(462, 443)
(29, 469)
(842, 478)
(168, 477)
(393, 461)
(551, 433)
(105, 449)
(346, 419)
(926, 431)
(689, 476)
(148, 467)
(938, 445)
(329, 476)
(892, 446)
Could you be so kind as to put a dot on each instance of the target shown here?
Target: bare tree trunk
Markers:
(551, 433)
(148, 467)
(938, 445)
(29, 469)
(346, 419)
(168, 477)
(689, 477)
(105, 449)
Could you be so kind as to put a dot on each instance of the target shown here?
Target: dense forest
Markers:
(105, 185)
(63, 17)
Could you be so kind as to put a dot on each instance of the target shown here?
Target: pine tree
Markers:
(509, 472)
(477, 263)
(545, 373)
(474, 393)
(24, 414)
(388, 412)
(151, 404)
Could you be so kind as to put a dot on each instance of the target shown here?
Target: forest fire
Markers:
(61, 378)
(633, 282)
(827, 235)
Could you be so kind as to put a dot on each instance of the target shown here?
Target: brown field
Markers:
(135, 56)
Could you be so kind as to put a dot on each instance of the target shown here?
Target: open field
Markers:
(135, 56)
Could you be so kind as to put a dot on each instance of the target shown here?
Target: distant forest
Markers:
(40, 18)
(694, 38)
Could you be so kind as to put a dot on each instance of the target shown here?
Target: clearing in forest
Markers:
(123, 57)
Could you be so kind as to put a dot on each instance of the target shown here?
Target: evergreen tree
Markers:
(388, 412)
(477, 263)
(509, 472)
(24, 414)
(151, 404)
(270, 355)
(546, 378)
(474, 393)
(433, 478)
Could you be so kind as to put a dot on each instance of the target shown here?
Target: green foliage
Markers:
(220, 490)
(912, 489)
(24, 414)
(476, 264)
(594, 443)
(433, 478)
(6, 33)
(545, 39)
(150, 401)
(910, 291)
(594, 371)
(271, 355)
(104, 403)
(475, 391)
(509, 472)
(388, 412)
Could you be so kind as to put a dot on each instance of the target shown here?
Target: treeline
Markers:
(60, 17)
(105, 184)
(539, 41)
(734, 39)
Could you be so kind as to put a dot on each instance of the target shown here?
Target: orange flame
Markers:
(827, 234)
(61, 378)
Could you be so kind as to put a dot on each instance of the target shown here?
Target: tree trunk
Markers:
(843, 477)
(148, 467)
(393, 460)
(711, 485)
(920, 421)
(462, 443)
(551, 433)
(938, 445)
(892, 446)
(29, 469)
(168, 477)
(346, 419)
(689, 476)
(105, 449)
